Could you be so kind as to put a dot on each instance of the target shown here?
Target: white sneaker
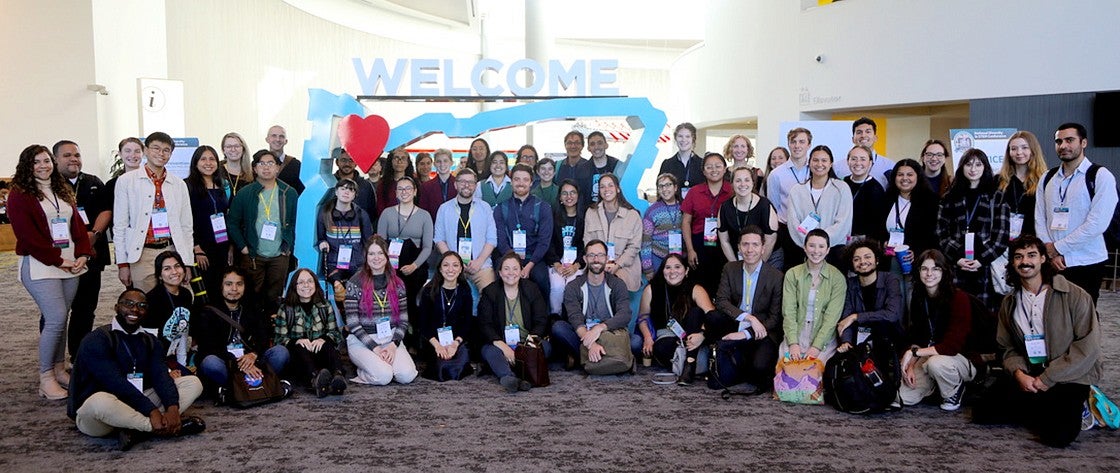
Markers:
(1087, 419)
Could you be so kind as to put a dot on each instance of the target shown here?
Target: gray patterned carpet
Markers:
(577, 424)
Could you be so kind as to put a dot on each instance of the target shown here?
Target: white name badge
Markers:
(513, 335)
(1060, 219)
(569, 255)
(711, 224)
(60, 232)
(384, 330)
(684, 191)
(811, 222)
(218, 223)
(1036, 348)
(136, 380)
(161, 227)
(1016, 225)
(896, 238)
(345, 252)
(591, 323)
(610, 251)
(676, 243)
(465, 249)
(445, 336)
(395, 246)
(268, 231)
(676, 328)
(236, 349)
(862, 334)
(969, 245)
(82, 213)
(519, 242)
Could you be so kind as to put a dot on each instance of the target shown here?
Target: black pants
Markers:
(750, 361)
(792, 255)
(664, 348)
(1054, 414)
(304, 365)
(1086, 277)
(710, 264)
(82, 309)
(413, 283)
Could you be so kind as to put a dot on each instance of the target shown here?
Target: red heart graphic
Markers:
(363, 138)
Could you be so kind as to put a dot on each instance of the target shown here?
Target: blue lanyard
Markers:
(968, 215)
(1062, 191)
(798, 179)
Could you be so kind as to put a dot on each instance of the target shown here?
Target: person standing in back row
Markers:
(288, 170)
(1071, 216)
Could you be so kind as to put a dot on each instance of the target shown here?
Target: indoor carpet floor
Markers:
(613, 423)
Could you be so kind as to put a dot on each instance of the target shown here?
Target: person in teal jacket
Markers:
(262, 226)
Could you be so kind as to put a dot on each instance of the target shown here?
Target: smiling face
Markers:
(1028, 262)
(820, 163)
(597, 145)
(207, 163)
(569, 195)
(171, 272)
(859, 162)
(510, 272)
(43, 166)
(777, 157)
(905, 179)
(674, 272)
(685, 140)
(376, 259)
(498, 166)
(596, 258)
(479, 151)
(443, 164)
(933, 158)
(266, 168)
(743, 182)
(406, 191)
(930, 274)
(864, 261)
(424, 166)
(714, 168)
(132, 308)
(450, 268)
(864, 135)
(973, 171)
(345, 164)
(305, 286)
(547, 172)
(573, 146)
(608, 190)
(1019, 151)
(666, 190)
(276, 138)
(750, 246)
(527, 157)
(739, 150)
(131, 155)
(799, 145)
(465, 184)
(522, 181)
(158, 153)
(816, 248)
(232, 148)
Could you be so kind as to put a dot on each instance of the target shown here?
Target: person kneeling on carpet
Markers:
(121, 383)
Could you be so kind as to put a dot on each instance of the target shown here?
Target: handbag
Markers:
(799, 381)
(1103, 409)
(246, 392)
(530, 364)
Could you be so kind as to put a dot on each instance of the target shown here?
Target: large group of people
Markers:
(434, 272)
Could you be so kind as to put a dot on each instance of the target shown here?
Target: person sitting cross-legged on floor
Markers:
(120, 381)
(598, 306)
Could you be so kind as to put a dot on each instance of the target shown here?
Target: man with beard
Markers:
(524, 226)
(221, 346)
(121, 382)
(601, 162)
(748, 322)
(874, 301)
(366, 197)
(1049, 335)
(467, 228)
(1074, 207)
(598, 307)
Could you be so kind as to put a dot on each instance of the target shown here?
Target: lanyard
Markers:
(798, 179)
(131, 357)
(511, 308)
(400, 227)
(213, 202)
(816, 202)
(338, 224)
(748, 295)
(687, 170)
(57, 206)
(739, 222)
(668, 305)
(448, 306)
(467, 225)
(968, 215)
(715, 200)
(381, 301)
(268, 204)
(1063, 187)
(860, 187)
(898, 214)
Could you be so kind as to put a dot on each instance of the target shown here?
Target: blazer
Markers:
(134, 197)
(492, 310)
(766, 305)
(626, 234)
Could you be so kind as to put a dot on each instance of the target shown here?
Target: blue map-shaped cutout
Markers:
(326, 108)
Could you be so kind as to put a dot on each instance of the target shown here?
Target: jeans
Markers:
(54, 298)
(497, 360)
(215, 369)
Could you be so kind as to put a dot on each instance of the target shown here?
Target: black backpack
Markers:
(1112, 233)
(865, 379)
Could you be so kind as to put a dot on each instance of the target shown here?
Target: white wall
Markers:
(46, 49)
(759, 57)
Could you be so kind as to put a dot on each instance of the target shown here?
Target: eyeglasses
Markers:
(596, 255)
(267, 164)
(569, 193)
(933, 155)
(405, 189)
(134, 304)
(666, 185)
(159, 150)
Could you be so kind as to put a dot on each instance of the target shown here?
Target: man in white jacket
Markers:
(151, 214)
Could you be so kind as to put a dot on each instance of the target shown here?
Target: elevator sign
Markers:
(487, 77)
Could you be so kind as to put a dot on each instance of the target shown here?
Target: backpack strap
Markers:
(1091, 180)
(1049, 175)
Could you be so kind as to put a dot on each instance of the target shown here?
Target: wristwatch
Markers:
(914, 351)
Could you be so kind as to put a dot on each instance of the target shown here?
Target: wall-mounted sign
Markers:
(487, 77)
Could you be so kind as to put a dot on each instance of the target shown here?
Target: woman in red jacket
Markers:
(940, 321)
(53, 247)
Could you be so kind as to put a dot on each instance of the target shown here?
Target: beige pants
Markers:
(373, 370)
(102, 412)
(944, 373)
(482, 278)
(144, 271)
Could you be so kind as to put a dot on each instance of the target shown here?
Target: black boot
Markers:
(688, 373)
